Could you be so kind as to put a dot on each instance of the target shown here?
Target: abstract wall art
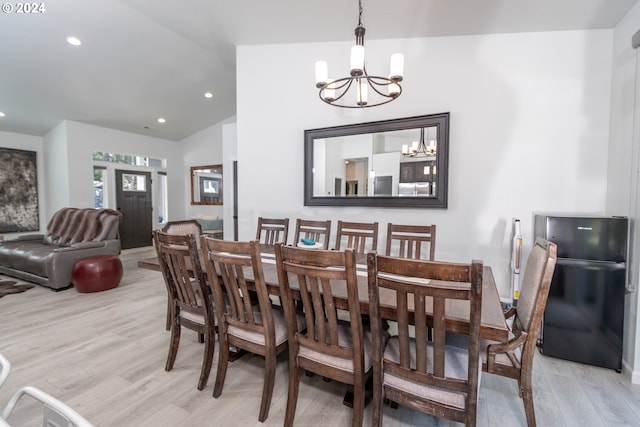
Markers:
(18, 191)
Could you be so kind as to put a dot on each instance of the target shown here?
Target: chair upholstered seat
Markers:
(345, 340)
(456, 364)
(192, 317)
(279, 322)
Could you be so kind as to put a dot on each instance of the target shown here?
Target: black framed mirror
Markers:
(206, 185)
(390, 163)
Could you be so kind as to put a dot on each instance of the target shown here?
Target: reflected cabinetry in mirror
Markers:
(394, 163)
(206, 185)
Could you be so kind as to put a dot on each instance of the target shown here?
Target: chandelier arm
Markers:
(344, 92)
(383, 83)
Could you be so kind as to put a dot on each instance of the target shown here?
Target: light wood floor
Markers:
(104, 355)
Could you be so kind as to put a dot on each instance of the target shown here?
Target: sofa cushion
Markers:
(26, 256)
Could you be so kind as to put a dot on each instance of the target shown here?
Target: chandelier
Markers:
(383, 89)
(419, 148)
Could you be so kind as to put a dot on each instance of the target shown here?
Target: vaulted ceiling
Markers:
(145, 59)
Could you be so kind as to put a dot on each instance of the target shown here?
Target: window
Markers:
(131, 182)
(162, 207)
(99, 179)
(128, 159)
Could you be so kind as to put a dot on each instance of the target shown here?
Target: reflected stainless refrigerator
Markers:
(584, 316)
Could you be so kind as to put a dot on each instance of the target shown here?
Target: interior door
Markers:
(133, 199)
(337, 184)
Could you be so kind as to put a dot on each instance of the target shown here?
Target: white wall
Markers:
(529, 131)
(29, 143)
(56, 162)
(83, 139)
(229, 156)
(624, 166)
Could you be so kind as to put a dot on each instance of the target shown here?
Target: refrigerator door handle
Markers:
(586, 263)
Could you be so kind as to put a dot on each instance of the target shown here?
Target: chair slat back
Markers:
(360, 236)
(408, 241)
(422, 287)
(316, 230)
(272, 230)
(228, 263)
(180, 264)
(318, 276)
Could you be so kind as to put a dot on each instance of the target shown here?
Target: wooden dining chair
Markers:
(258, 328)
(272, 230)
(316, 230)
(183, 227)
(514, 359)
(427, 376)
(361, 236)
(407, 241)
(191, 305)
(334, 344)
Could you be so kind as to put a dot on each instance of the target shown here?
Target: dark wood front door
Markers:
(133, 199)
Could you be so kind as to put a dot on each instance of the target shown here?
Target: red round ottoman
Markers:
(96, 273)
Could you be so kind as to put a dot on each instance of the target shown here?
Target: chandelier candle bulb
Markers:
(405, 149)
(357, 60)
(329, 93)
(393, 88)
(321, 74)
(362, 93)
(414, 146)
(397, 67)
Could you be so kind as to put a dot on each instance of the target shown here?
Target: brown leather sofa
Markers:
(72, 234)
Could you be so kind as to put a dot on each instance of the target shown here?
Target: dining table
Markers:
(493, 325)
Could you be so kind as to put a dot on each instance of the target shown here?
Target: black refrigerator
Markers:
(584, 316)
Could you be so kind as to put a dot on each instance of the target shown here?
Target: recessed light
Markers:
(74, 41)
(161, 120)
(208, 95)
(2, 114)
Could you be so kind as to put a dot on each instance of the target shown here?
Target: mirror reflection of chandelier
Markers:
(420, 148)
(369, 91)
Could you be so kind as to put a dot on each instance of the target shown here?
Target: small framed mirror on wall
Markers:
(206, 185)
